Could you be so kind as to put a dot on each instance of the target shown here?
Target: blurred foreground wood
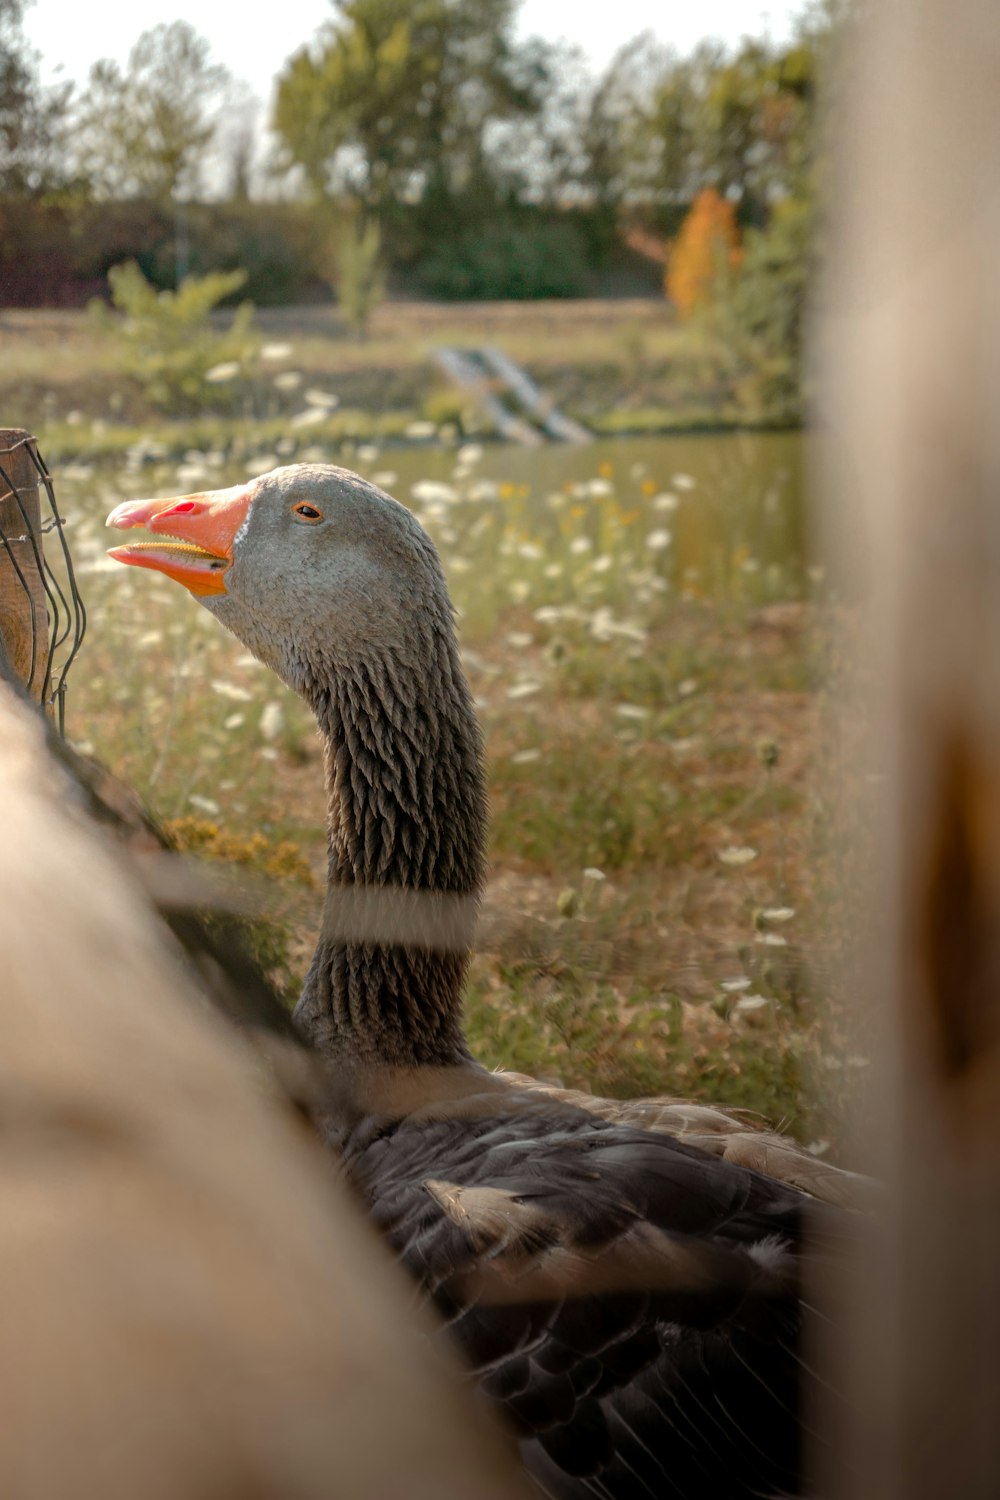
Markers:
(188, 1308)
(913, 389)
(23, 625)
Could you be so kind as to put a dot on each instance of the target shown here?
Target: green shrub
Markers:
(507, 261)
(169, 344)
(357, 272)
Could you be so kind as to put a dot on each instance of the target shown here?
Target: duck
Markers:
(624, 1282)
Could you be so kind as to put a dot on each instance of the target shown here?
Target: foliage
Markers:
(167, 340)
(147, 130)
(358, 275)
(759, 316)
(396, 100)
(32, 119)
(507, 260)
(705, 250)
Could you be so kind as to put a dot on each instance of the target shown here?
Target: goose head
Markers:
(310, 566)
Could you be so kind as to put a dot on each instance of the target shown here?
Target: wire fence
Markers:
(46, 602)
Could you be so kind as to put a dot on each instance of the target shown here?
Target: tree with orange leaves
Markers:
(706, 246)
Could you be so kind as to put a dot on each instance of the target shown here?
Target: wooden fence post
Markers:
(23, 619)
(910, 333)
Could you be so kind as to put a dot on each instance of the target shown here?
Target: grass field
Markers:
(664, 910)
(617, 366)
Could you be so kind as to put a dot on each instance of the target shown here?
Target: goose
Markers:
(620, 1282)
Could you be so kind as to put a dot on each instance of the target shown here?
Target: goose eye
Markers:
(307, 512)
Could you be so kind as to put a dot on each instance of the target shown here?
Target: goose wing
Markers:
(732, 1135)
(630, 1302)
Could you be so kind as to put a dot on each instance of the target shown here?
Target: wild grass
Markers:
(649, 666)
(619, 366)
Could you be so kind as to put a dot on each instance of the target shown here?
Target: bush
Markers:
(357, 273)
(168, 343)
(706, 248)
(759, 312)
(507, 261)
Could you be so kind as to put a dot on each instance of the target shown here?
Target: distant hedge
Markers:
(57, 254)
(513, 260)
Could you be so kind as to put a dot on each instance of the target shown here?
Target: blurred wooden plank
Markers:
(911, 335)
(23, 621)
(189, 1307)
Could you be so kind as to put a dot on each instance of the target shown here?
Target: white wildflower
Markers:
(772, 940)
(204, 804)
(554, 570)
(385, 478)
(737, 855)
(518, 590)
(733, 986)
(367, 453)
(602, 564)
(150, 638)
(687, 687)
(594, 874)
(272, 721)
(484, 489)
(665, 501)
(276, 351)
(433, 492)
(234, 721)
(581, 544)
(519, 639)
(219, 374)
(778, 913)
(656, 541)
(525, 757)
(325, 399)
(748, 1004)
(309, 416)
(470, 453)
(599, 488)
(189, 476)
(682, 482)
(632, 711)
(231, 691)
(288, 380)
(421, 430)
(530, 551)
(526, 688)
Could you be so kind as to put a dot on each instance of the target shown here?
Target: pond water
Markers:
(734, 502)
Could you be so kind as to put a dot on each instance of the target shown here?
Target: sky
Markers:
(253, 41)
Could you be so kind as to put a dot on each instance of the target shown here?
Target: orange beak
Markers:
(205, 527)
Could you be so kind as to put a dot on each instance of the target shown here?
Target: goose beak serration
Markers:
(197, 534)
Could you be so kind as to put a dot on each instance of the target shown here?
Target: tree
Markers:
(706, 248)
(147, 131)
(32, 118)
(395, 102)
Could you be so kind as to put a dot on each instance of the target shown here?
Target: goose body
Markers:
(631, 1299)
